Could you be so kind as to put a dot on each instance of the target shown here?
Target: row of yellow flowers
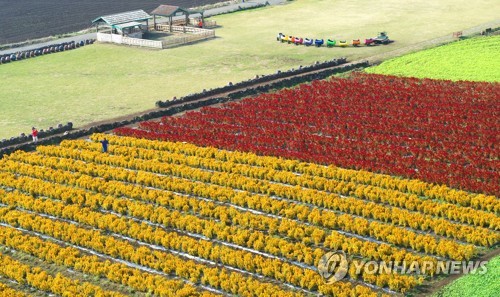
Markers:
(307, 234)
(7, 291)
(73, 258)
(42, 280)
(420, 188)
(217, 253)
(328, 219)
(397, 216)
(373, 193)
(185, 222)
(283, 227)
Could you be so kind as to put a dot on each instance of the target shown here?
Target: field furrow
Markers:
(321, 200)
(181, 155)
(7, 291)
(169, 240)
(170, 218)
(40, 279)
(275, 246)
(346, 222)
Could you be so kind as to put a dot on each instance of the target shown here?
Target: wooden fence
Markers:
(193, 21)
(115, 38)
(176, 41)
(210, 24)
(193, 34)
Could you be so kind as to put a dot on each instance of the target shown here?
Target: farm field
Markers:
(53, 17)
(239, 223)
(434, 130)
(252, 197)
(103, 81)
(474, 59)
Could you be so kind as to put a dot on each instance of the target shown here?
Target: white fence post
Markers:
(115, 38)
(197, 34)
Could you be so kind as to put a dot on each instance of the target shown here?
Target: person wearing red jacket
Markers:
(34, 133)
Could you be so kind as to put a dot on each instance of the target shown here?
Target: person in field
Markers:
(104, 145)
(34, 133)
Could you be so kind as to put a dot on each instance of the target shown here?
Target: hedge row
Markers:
(41, 134)
(247, 83)
(195, 103)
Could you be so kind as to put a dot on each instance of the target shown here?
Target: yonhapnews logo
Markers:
(333, 266)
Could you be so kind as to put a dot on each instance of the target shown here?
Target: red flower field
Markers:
(438, 131)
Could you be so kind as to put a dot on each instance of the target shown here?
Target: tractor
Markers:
(382, 38)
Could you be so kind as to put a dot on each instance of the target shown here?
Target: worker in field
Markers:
(104, 145)
(34, 134)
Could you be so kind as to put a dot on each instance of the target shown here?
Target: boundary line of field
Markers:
(205, 100)
(222, 94)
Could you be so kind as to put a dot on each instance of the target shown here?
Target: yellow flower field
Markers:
(174, 219)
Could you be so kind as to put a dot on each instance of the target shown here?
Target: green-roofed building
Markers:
(131, 23)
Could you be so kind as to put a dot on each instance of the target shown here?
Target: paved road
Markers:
(208, 12)
(60, 40)
(244, 4)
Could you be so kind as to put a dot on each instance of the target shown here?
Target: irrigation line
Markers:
(152, 246)
(103, 256)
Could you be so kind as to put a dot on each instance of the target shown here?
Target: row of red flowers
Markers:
(438, 131)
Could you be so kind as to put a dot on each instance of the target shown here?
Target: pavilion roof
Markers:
(169, 10)
(124, 17)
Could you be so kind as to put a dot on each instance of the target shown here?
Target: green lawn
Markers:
(486, 285)
(474, 59)
(105, 81)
